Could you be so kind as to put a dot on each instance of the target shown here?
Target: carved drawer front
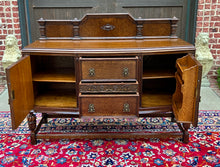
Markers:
(127, 87)
(109, 105)
(109, 68)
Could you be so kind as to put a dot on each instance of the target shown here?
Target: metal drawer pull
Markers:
(125, 72)
(91, 72)
(126, 107)
(108, 27)
(91, 108)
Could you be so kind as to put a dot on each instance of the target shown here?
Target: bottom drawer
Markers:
(109, 105)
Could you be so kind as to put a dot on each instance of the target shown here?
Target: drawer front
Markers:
(108, 68)
(109, 105)
(108, 87)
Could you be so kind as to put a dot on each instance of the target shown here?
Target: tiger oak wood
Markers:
(20, 89)
(106, 65)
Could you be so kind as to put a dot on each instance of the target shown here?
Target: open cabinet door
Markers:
(185, 100)
(20, 89)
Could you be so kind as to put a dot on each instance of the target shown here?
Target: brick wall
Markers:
(9, 20)
(208, 20)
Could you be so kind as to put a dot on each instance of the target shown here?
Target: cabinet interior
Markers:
(54, 81)
(158, 79)
(53, 68)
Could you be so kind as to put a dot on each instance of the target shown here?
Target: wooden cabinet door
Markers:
(185, 100)
(20, 89)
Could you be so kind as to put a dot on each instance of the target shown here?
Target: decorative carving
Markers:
(204, 56)
(108, 88)
(32, 125)
(12, 52)
(108, 27)
(31, 121)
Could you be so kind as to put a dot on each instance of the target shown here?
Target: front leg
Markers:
(44, 117)
(185, 126)
(32, 126)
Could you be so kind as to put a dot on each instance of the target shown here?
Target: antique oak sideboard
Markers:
(106, 65)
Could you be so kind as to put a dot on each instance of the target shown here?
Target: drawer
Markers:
(125, 87)
(109, 105)
(108, 68)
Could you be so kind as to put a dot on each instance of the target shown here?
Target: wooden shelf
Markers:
(62, 75)
(153, 99)
(65, 99)
(158, 73)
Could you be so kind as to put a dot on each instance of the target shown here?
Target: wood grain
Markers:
(56, 99)
(97, 47)
(152, 99)
(20, 90)
(185, 97)
(158, 73)
(112, 68)
(109, 104)
(58, 75)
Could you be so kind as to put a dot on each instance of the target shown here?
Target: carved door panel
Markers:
(185, 100)
(20, 88)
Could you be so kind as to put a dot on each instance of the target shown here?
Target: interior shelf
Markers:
(64, 99)
(158, 73)
(62, 75)
(153, 99)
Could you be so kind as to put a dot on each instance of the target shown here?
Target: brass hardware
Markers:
(126, 107)
(125, 72)
(91, 72)
(12, 94)
(91, 108)
(108, 27)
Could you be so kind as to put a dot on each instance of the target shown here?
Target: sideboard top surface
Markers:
(109, 46)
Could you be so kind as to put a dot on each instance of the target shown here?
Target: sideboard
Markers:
(106, 65)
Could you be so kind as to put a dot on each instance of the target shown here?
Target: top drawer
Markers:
(108, 68)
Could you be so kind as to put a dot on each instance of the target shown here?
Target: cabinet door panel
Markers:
(20, 89)
(185, 100)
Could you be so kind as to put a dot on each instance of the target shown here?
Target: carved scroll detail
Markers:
(107, 88)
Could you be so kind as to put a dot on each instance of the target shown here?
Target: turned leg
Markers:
(185, 126)
(32, 126)
(44, 118)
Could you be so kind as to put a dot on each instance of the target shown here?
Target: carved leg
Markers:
(185, 126)
(32, 125)
(44, 118)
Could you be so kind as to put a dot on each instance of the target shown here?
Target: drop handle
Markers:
(125, 72)
(126, 107)
(91, 108)
(91, 72)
